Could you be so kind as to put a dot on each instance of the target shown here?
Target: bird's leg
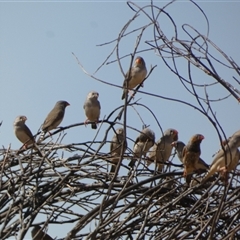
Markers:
(86, 122)
(50, 134)
(25, 146)
(97, 122)
(131, 93)
(224, 173)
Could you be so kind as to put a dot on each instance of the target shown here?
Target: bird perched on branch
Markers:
(191, 154)
(226, 160)
(118, 142)
(24, 134)
(39, 234)
(143, 143)
(92, 108)
(162, 150)
(54, 118)
(201, 166)
(136, 75)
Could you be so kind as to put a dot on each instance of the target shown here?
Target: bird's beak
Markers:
(68, 104)
(173, 144)
(138, 61)
(201, 137)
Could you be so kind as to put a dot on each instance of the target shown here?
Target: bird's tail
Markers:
(132, 163)
(38, 151)
(113, 169)
(94, 126)
(124, 93)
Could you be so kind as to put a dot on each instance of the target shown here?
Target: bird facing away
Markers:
(92, 108)
(55, 117)
(143, 143)
(39, 234)
(116, 148)
(137, 75)
(191, 153)
(201, 166)
(23, 133)
(226, 160)
(162, 150)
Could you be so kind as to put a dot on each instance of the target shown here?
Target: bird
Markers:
(191, 153)
(137, 74)
(54, 117)
(92, 108)
(143, 143)
(116, 148)
(24, 134)
(39, 234)
(162, 150)
(226, 160)
(201, 166)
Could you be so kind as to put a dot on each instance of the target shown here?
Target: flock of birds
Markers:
(145, 148)
(158, 152)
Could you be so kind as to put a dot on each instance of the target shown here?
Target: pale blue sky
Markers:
(37, 67)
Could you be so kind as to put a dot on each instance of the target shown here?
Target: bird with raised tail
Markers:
(191, 154)
(136, 76)
(143, 143)
(92, 109)
(161, 151)
(118, 145)
(24, 134)
(54, 118)
(39, 234)
(201, 166)
(226, 160)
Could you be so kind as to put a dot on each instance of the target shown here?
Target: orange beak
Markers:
(138, 61)
(201, 137)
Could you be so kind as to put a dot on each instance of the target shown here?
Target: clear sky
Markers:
(37, 67)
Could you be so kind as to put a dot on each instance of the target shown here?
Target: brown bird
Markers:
(201, 166)
(226, 160)
(39, 234)
(162, 150)
(92, 108)
(191, 153)
(54, 118)
(116, 148)
(136, 76)
(24, 134)
(143, 143)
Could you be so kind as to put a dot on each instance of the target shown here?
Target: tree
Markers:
(70, 184)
